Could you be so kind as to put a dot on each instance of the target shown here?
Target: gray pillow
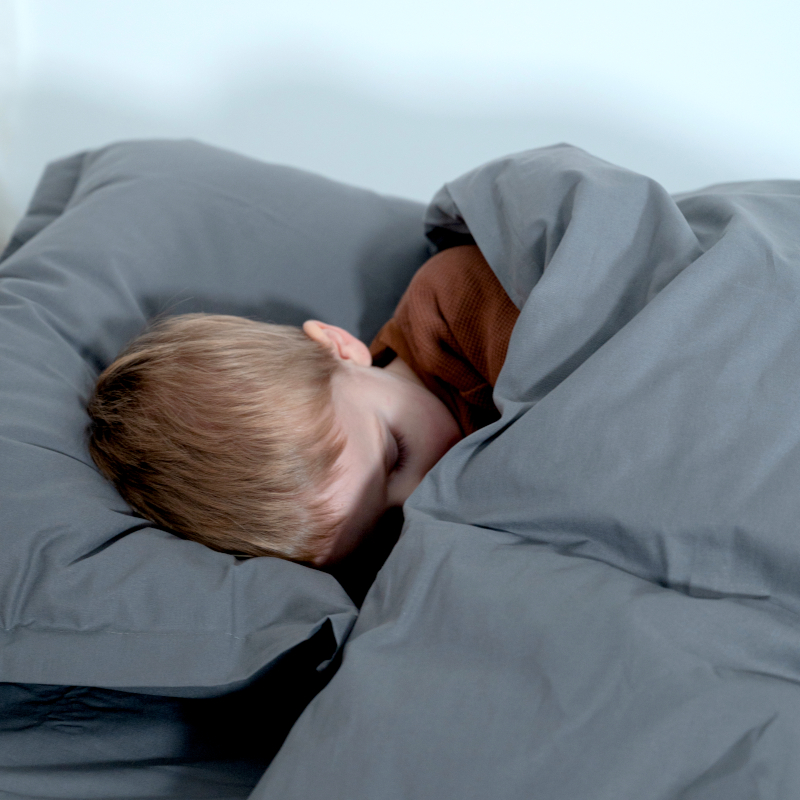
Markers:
(90, 594)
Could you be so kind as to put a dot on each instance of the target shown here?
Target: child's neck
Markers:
(399, 367)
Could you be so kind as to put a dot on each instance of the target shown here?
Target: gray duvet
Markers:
(597, 596)
(594, 598)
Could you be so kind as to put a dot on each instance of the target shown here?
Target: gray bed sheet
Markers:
(597, 596)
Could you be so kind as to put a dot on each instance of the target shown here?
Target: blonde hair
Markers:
(221, 429)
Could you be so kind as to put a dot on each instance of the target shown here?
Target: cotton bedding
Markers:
(131, 661)
(594, 597)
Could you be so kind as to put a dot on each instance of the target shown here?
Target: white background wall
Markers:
(401, 96)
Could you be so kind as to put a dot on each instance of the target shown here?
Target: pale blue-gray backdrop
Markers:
(401, 96)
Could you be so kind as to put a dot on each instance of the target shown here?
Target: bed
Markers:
(594, 597)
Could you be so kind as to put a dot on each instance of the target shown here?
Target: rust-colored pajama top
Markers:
(452, 327)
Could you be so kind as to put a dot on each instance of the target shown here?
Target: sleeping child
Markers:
(261, 439)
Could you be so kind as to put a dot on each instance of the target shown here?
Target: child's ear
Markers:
(344, 345)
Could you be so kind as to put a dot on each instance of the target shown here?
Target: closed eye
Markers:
(402, 453)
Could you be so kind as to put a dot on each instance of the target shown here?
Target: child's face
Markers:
(395, 430)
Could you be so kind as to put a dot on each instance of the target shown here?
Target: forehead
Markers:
(357, 493)
(359, 423)
(357, 499)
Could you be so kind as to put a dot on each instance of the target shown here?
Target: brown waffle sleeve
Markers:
(452, 327)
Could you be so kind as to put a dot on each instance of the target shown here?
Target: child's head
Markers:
(263, 439)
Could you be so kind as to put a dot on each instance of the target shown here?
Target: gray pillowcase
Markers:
(90, 594)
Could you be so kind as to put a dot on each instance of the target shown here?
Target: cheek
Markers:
(441, 431)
